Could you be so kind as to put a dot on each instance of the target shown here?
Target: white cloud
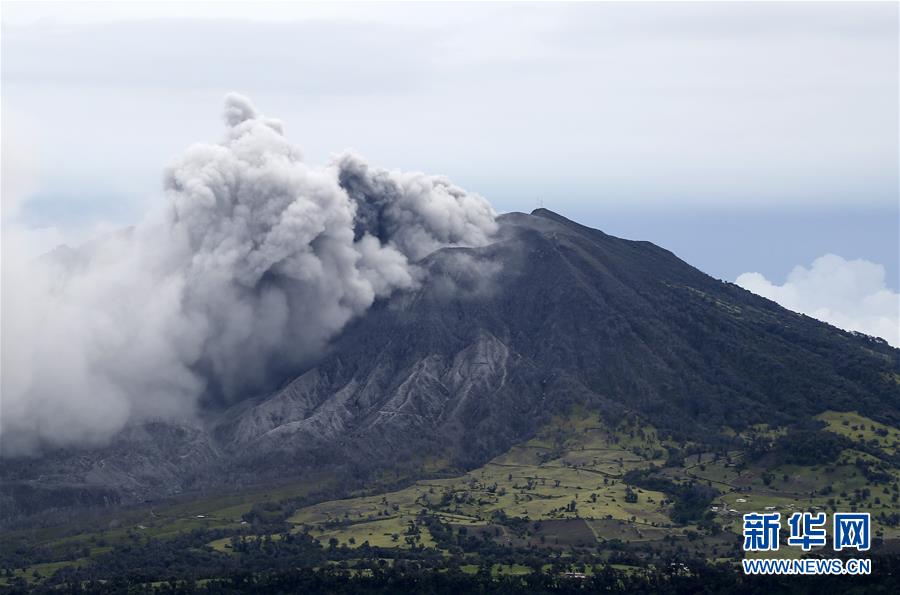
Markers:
(622, 104)
(18, 162)
(850, 294)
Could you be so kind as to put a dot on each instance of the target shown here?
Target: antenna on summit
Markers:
(540, 202)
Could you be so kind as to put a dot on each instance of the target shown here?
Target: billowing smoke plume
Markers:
(256, 261)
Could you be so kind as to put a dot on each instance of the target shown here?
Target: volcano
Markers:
(496, 340)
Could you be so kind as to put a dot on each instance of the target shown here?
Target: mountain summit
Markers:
(494, 341)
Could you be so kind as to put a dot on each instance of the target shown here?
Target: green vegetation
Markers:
(587, 493)
(860, 429)
(571, 471)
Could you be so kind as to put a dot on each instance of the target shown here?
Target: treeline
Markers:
(673, 578)
(690, 501)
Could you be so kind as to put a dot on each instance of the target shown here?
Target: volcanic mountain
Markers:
(495, 340)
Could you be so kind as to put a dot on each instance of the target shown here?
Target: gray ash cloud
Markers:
(254, 263)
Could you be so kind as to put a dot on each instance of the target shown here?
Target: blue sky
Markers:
(743, 137)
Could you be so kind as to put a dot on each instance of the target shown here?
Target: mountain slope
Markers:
(494, 341)
(571, 314)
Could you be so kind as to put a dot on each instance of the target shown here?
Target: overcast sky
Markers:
(743, 137)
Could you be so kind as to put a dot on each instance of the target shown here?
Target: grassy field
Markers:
(571, 470)
(861, 429)
(840, 485)
(565, 488)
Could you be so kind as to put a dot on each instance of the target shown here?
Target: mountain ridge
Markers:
(495, 340)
